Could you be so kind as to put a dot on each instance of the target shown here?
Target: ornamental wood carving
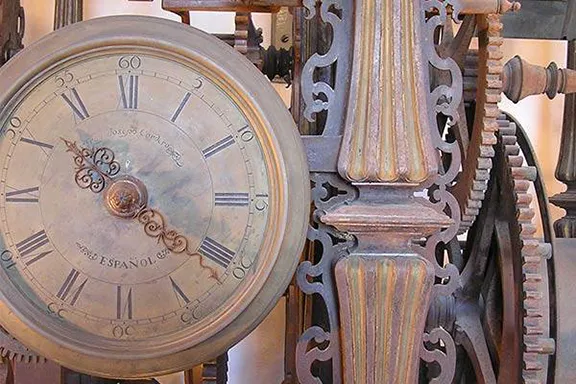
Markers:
(67, 12)
(386, 136)
(393, 101)
(387, 152)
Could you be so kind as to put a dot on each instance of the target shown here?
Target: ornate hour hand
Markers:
(126, 196)
(93, 166)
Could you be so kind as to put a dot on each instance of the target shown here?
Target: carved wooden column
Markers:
(67, 12)
(383, 286)
(566, 168)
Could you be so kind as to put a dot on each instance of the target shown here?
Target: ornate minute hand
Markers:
(126, 196)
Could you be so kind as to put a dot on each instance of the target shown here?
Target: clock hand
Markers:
(126, 197)
(154, 226)
(93, 166)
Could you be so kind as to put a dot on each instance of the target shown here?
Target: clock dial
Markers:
(144, 202)
(104, 267)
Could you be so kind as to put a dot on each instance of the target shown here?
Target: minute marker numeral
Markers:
(129, 91)
(7, 258)
(181, 107)
(69, 290)
(76, 104)
(231, 199)
(246, 134)
(216, 252)
(219, 146)
(14, 196)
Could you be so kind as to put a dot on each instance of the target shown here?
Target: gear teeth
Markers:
(528, 229)
(482, 73)
(12, 349)
(507, 129)
(523, 173)
(535, 341)
(483, 84)
(511, 150)
(485, 164)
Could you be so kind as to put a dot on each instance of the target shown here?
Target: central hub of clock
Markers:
(125, 196)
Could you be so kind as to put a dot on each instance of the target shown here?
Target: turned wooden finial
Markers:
(509, 6)
(470, 7)
(521, 79)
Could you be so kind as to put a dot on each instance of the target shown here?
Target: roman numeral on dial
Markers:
(27, 195)
(219, 146)
(129, 91)
(123, 303)
(72, 287)
(180, 295)
(76, 104)
(216, 252)
(181, 107)
(27, 247)
(37, 143)
(32, 243)
(231, 199)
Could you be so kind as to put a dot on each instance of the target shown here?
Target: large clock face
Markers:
(194, 154)
(142, 205)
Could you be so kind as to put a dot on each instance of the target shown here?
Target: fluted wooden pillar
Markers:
(67, 12)
(384, 287)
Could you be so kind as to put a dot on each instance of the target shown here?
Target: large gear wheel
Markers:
(533, 255)
(500, 317)
(11, 349)
(482, 69)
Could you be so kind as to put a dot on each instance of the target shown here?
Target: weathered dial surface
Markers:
(192, 148)
(142, 206)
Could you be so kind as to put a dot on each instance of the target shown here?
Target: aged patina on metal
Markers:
(375, 142)
(262, 193)
(452, 319)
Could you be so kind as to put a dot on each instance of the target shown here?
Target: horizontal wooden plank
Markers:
(229, 5)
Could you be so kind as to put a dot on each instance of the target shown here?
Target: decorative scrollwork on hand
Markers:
(93, 166)
(87, 178)
(126, 197)
(154, 226)
(177, 243)
(104, 160)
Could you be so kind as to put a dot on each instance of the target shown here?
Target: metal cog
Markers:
(482, 82)
(500, 315)
(537, 344)
(12, 349)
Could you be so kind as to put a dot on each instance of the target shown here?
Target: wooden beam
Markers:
(267, 6)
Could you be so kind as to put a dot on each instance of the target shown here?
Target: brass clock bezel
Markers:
(286, 163)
